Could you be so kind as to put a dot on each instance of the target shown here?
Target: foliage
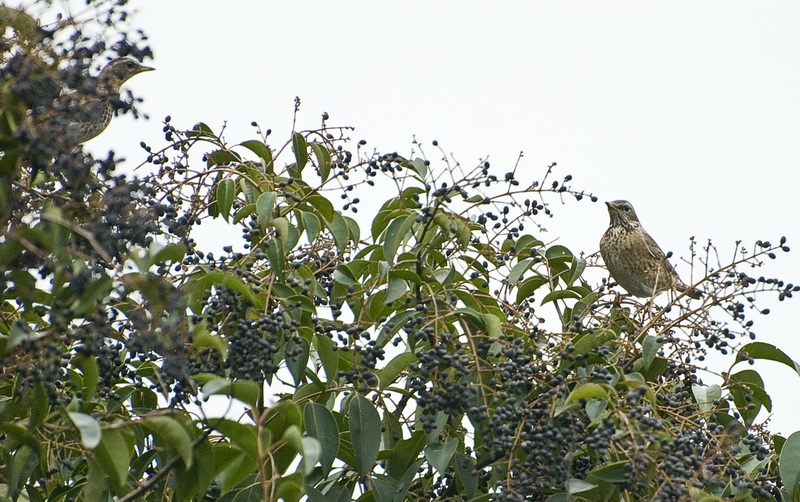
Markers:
(438, 348)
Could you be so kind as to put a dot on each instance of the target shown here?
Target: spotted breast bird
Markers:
(80, 115)
(634, 259)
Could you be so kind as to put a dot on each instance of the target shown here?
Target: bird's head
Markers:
(622, 213)
(117, 71)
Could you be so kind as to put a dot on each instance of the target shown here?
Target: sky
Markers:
(690, 110)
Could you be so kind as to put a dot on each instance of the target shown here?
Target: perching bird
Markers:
(80, 115)
(634, 259)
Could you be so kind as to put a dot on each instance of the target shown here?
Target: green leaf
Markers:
(91, 376)
(528, 286)
(706, 395)
(336, 493)
(595, 408)
(394, 368)
(405, 453)
(493, 325)
(115, 456)
(323, 160)
(615, 472)
(300, 149)
(320, 424)
(200, 129)
(789, 464)
(650, 348)
(575, 485)
(419, 167)
(558, 253)
(561, 294)
(396, 233)
(761, 350)
(365, 433)
(519, 269)
(339, 230)
(586, 342)
(383, 488)
(312, 449)
(276, 256)
(396, 288)
(249, 191)
(575, 271)
(439, 454)
(322, 205)
(172, 433)
(88, 428)
(465, 470)
(225, 193)
(312, 225)
(328, 356)
(265, 205)
(297, 365)
(754, 383)
(353, 229)
(343, 275)
(747, 388)
(589, 391)
(243, 390)
(263, 152)
(171, 252)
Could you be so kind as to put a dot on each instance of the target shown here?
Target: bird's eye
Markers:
(130, 64)
(626, 208)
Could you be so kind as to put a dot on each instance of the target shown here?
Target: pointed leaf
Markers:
(323, 160)
(439, 454)
(300, 149)
(170, 432)
(88, 428)
(761, 350)
(225, 192)
(789, 465)
(706, 395)
(265, 205)
(321, 425)
(262, 150)
(365, 433)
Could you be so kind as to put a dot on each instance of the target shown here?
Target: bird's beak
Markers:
(608, 204)
(146, 68)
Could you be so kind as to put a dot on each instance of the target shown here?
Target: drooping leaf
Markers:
(225, 193)
(170, 432)
(365, 433)
(323, 160)
(88, 428)
(265, 205)
(761, 350)
(300, 149)
(789, 465)
(321, 425)
(439, 454)
(706, 395)
(263, 152)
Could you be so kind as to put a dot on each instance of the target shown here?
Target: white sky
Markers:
(690, 110)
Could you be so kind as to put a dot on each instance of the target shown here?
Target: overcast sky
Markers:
(690, 110)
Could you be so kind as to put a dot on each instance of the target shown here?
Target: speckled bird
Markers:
(634, 259)
(80, 115)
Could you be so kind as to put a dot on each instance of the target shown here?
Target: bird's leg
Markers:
(617, 299)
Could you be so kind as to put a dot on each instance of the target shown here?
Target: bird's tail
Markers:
(690, 291)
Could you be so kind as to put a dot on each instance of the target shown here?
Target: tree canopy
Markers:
(437, 347)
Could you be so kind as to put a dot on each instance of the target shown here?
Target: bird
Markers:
(82, 114)
(634, 259)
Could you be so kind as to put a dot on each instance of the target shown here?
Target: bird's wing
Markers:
(653, 248)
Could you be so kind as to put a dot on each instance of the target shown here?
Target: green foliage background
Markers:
(436, 349)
